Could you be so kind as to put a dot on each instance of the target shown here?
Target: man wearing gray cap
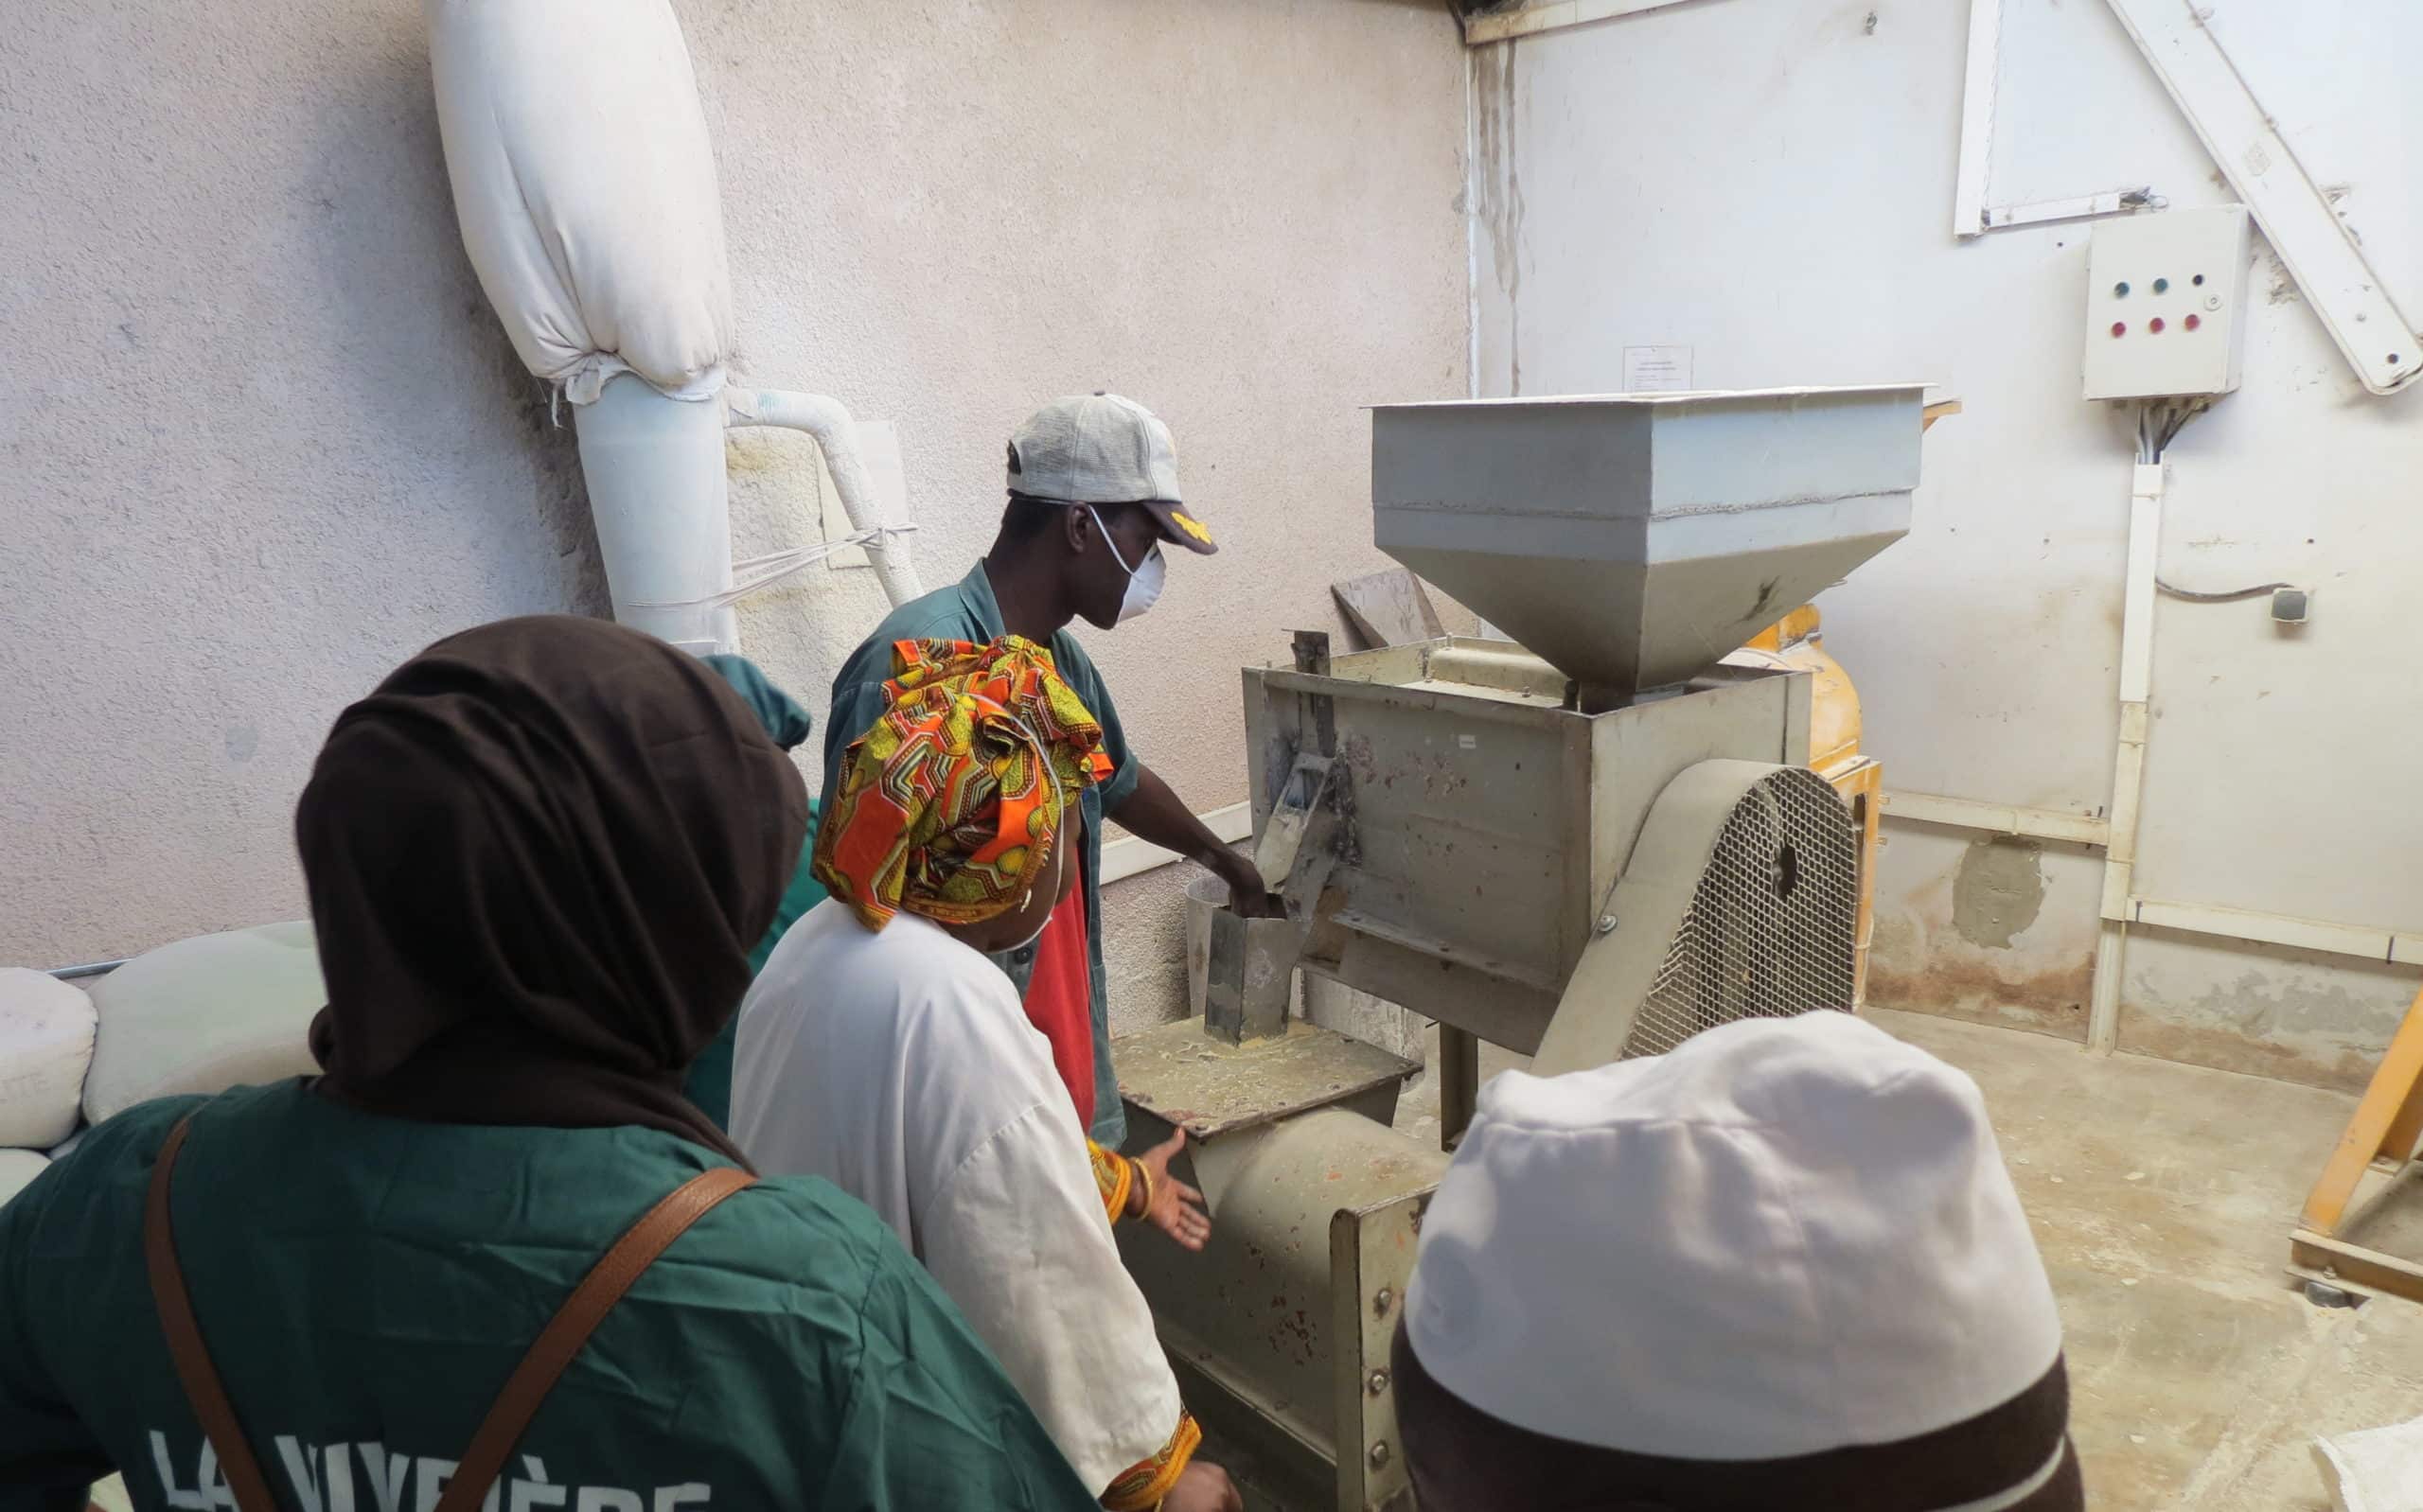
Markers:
(1093, 496)
(1779, 1267)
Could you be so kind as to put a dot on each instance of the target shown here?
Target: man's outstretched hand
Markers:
(1176, 1209)
(1202, 1487)
(1247, 897)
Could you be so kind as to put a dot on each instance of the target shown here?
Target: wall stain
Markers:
(2051, 1001)
(2264, 1025)
(1998, 890)
(2230, 1050)
(2283, 289)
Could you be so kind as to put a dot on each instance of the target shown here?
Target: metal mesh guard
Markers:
(1769, 930)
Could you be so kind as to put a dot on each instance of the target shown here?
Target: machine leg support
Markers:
(1459, 1083)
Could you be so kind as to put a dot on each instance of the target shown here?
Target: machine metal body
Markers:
(1489, 822)
(1584, 853)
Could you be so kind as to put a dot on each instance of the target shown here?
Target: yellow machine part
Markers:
(1797, 642)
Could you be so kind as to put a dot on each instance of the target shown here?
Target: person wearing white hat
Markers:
(1781, 1267)
(1093, 496)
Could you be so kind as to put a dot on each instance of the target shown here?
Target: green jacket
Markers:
(709, 1082)
(365, 1285)
(967, 610)
(786, 722)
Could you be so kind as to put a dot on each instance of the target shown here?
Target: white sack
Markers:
(586, 187)
(206, 1014)
(18, 1168)
(46, 1047)
(2380, 1469)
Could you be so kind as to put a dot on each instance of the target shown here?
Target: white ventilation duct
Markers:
(585, 187)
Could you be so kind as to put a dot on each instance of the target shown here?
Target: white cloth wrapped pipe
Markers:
(586, 188)
(585, 185)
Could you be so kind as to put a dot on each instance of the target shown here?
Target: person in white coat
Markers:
(881, 1049)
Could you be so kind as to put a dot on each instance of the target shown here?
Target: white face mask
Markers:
(1143, 580)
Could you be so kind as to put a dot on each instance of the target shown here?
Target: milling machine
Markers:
(1589, 843)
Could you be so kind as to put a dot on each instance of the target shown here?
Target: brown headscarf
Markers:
(537, 857)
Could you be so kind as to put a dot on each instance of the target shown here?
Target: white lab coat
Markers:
(901, 1067)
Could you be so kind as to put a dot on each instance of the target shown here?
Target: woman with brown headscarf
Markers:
(537, 856)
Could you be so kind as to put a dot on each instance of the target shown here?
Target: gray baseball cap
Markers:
(1100, 448)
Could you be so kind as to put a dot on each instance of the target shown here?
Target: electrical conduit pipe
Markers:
(2128, 756)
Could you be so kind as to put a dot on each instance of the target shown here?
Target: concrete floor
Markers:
(2161, 1197)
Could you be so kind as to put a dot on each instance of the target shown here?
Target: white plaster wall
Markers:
(1770, 182)
(264, 439)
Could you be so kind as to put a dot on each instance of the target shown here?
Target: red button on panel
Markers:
(2154, 326)
(2119, 327)
(2194, 321)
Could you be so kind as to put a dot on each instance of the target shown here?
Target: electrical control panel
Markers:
(2166, 304)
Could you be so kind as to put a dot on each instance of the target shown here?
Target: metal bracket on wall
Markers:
(1977, 117)
(2077, 207)
(1505, 23)
(1971, 215)
(2302, 223)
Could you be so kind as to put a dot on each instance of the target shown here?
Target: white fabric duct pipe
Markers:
(585, 185)
(829, 423)
(657, 492)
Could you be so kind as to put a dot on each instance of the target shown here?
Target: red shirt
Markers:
(1060, 1000)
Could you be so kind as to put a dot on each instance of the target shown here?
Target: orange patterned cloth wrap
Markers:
(945, 807)
(1146, 1482)
(1115, 1177)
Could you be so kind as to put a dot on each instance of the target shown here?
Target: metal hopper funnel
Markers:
(1632, 540)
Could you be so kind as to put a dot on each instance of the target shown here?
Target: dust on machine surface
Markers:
(1590, 842)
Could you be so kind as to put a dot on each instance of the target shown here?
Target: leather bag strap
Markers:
(572, 1323)
(525, 1390)
(199, 1376)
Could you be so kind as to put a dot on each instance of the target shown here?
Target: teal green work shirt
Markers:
(367, 1284)
(709, 1083)
(967, 610)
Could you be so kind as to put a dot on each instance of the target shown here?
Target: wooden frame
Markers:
(2380, 1139)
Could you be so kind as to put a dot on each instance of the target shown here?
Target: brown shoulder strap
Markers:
(523, 1391)
(572, 1323)
(200, 1378)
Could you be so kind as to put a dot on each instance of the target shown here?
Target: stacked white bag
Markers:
(47, 1029)
(206, 1014)
(199, 1015)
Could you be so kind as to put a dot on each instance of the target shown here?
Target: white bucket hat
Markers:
(1788, 1235)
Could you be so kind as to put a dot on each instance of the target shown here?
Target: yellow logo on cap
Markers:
(1186, 522)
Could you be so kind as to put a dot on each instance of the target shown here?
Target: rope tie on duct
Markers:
(765, 572)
